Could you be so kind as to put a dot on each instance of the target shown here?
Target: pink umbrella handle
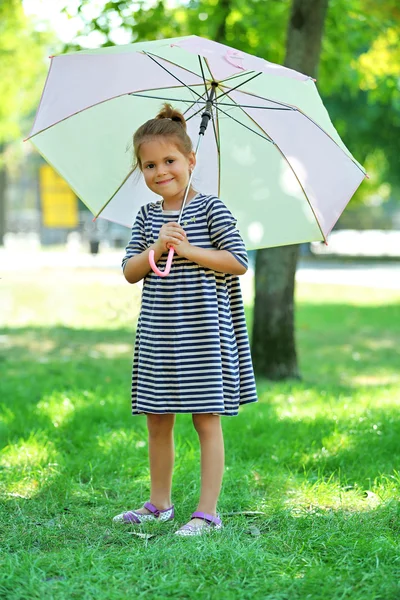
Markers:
(167, 266)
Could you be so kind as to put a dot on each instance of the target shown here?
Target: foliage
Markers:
(23, 68)
(359, 82)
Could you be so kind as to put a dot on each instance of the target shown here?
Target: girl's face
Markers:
(166, 170)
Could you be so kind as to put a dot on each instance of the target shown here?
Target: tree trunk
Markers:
(223, 8)
(304, 37)
(273, 341)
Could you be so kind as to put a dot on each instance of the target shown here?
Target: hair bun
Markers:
(168, 112)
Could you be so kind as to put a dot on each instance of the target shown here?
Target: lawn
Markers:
(311, 492)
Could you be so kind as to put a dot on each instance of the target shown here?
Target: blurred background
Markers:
(358, 80)
(312, 485)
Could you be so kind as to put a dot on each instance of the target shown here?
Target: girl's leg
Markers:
(161, 458)
(209, 429)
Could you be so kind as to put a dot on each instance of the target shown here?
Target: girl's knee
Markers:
(206, 423)
(160, 424)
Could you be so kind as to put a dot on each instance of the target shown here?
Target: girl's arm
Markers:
(137, 267)
(217, 260)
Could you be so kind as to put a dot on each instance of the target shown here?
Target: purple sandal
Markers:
(210, 523)
(133, 516)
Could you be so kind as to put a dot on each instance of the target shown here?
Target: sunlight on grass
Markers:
(375, 380)
(57, 407)
(43, 348)
(113, 350)
(333, 444)
(305, 403)
(29, 342)
(317, 458)
(25, 455)
(383, 343)
(81, 298)
(119, 440)
(337, 294)
(328, 495)
(26, 465)
(6, 416)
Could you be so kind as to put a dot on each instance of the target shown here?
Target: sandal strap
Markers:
(206, 517)
(131, 517)
(188, 527)
(153, 509)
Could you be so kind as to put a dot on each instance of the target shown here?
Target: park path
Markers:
(383, 275)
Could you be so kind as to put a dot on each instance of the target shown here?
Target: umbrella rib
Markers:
(202, 73)
(140, 95)
(240, 84)
(331, 138)
(172, 75)
(230, 77)
(170, 87)
(194, 114)
(59, 172)
(164, 98)
(216, 133)
(303, 190)
(298, 180)
(114, 193)
(251, 118)
(267, 139)
(290, 166)
(230, 89)
(172, 63)
(191, 102)
(289, 106)
(209, 68)
(296, 109)
(41, 99)
(260, 107)
(131, 171)
(217, 139)
(75, 191)
(98, 104)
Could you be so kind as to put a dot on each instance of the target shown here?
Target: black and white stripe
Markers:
(192, 352)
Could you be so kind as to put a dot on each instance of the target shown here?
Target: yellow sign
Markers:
(59, 203)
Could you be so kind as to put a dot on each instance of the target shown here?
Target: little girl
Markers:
(191, 353)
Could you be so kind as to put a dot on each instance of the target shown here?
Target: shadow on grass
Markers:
(317, 457)
(66, 403)
(316, 555)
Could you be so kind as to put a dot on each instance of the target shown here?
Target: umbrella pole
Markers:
(188, 185)
(206, 116)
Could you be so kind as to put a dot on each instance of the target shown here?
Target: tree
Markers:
(23, 69)
(273, 340)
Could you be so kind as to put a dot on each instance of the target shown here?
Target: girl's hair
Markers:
(168, 123)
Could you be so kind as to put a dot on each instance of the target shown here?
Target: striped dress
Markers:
(192, 352)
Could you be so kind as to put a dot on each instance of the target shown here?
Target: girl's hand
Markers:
(182, 248)
(171, 234)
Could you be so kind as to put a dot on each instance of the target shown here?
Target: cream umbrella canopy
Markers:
(270, 153)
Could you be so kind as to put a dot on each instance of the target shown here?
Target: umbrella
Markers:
(270, 152)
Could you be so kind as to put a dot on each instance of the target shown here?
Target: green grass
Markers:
(320, 458)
